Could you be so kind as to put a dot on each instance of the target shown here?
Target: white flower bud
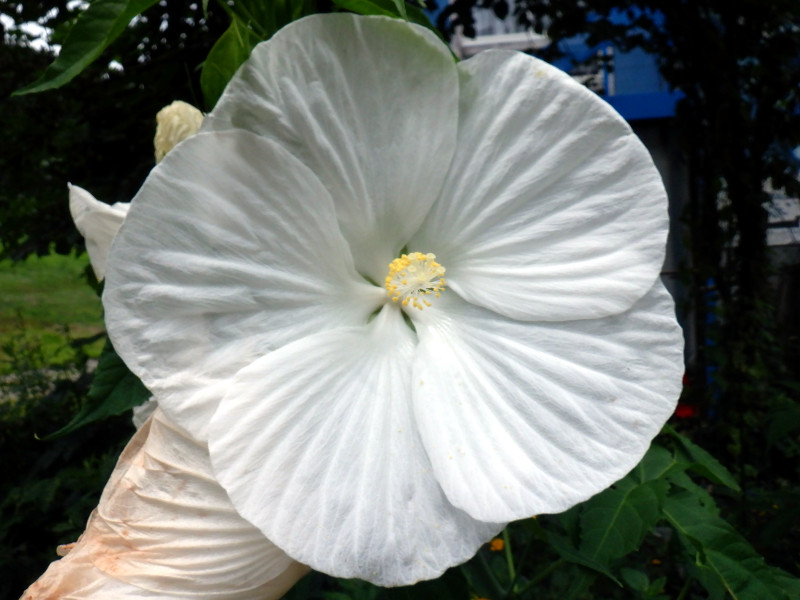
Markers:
(175, 123)
(98, 223)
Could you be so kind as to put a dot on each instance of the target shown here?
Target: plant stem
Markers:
(685, 589)
(510, 593)
(542, 574)
(498, 589)
(512, 574)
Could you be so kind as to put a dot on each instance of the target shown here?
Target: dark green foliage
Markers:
(724, 553)
(114, 391)
(96, 132)
(94, 29)
(701, 461)
(251, 22)
(47, 489)
(231, 50)
(389, 8)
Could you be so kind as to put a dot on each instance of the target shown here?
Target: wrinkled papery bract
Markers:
(165, 528)
(245, 289)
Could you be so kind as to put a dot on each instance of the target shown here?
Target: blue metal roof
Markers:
(631, 81)
(646, 105)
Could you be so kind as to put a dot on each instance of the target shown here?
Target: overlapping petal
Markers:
(369, 105)
(552, 209)
(231, 250)
(165, 528)
(527, 418)
(317, 446)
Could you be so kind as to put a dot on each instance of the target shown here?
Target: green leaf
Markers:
(571, 554)
(782, 421)
(252, 21)
(388, 8)
(704, 464)
(564, 546)
(635, 579)
(114, 390)
(707, 578)
(265, 17)
(230, 51)
(719, 548)
(682, 480)
(658, 463)
(614, 522)
(95, 28)
(400, 5)
(788, 583)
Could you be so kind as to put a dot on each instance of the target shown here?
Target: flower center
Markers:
(414, 276)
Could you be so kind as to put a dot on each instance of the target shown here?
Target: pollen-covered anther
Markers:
(414, 276)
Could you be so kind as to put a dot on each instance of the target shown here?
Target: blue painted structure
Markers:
(629, 81)
(632, 83)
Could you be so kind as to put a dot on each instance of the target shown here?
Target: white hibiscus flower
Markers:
(365, 436)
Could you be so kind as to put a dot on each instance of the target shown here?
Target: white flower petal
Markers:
(231, 250)
(317, 446)
(98, 223)
(526, 418)
(370, 104)
(553, 209)
(142, 412)
(164, 528)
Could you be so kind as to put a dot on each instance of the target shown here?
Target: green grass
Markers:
(45, 303)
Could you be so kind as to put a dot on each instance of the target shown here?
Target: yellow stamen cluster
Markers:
(414, 276)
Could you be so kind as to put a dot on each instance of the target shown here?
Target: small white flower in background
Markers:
(404, 300)
(175, 123)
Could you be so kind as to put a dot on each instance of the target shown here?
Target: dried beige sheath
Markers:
(165, 528)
